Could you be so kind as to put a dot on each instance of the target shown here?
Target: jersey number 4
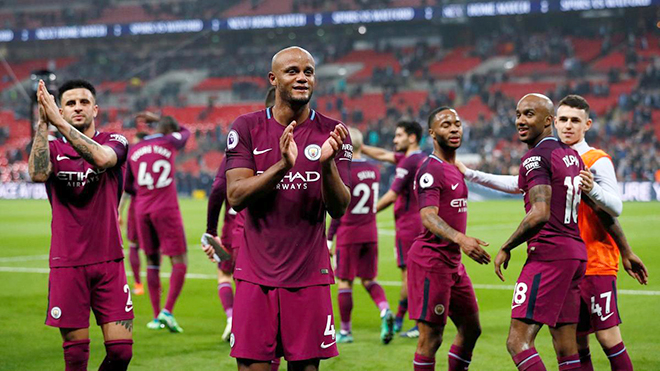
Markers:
(146, 179)
(573, 193)
(364, 192)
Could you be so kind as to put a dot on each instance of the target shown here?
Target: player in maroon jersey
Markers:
(407, 157)
(131, 233)
(84, 180)
(356, 253)
(150, 179)
(547, 290)
(286, 166)
(438, 284)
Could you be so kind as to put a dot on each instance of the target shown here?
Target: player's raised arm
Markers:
(379, 154)
(469, 245)
(39, 165)
(244, 188)
(539, 214)
(100, 156)
(502, 183)
(336, 195)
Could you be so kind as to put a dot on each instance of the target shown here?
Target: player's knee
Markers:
(513, 345)
(367, 283)
(180, 259)
(344, 284)
(76, 354)
(118, 353)
(609, 337)
(153, 260)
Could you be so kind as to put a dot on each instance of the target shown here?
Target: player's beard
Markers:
(295, 102)
(446, 145)
(82, 127)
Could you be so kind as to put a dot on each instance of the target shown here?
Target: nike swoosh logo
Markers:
(344, 159)
(606, 317)
(60, 158)
(326, 346)
(128, 309)
(515, 306)
(453, 187)
(258, 152)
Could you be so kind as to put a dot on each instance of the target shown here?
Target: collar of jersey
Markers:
(436, 157)
(544, 139)
(152, 136)
(581, 147)
(269, 115)
(95, 134)
(414, 153)
(359, 160)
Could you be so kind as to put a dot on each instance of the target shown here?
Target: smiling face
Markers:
(572, 124)
(534, 118)
(293, 75)
(79, 108)
(447, 129)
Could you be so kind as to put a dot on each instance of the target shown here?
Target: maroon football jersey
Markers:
(284, 237)
(358, 225)
(440, 184)
(151, 171)
(85, 229)
(553, 163)
(406, 212)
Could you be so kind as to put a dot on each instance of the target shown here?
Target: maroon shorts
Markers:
(228, 266)
(547, 292)
(403, 242)
(72, 291)
(131, 226)
(359, 259)
(162, 232)
(271, 322)
(432, 296)
(598, 309)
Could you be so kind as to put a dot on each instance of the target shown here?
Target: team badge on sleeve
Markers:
(426, 180)
(313, 152)
(232, 139)
(56, 312)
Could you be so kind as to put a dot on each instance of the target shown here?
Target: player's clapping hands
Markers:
(502, 258)
(47, 103)
(288, 146)
(472, 247)
(334, 142)
(587, 183)
(635, 267)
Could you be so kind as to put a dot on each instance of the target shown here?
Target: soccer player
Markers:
(286, 166)
(84, 179)
(150, 179)
(600, 231)
(547, 289)
(438, 284)
(408, 157)
(232, 233)
(357, 245)
(131, 234)
(603, 238)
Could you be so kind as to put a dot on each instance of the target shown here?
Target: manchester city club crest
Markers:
(232, 139)
(313, 152)
(439, 309)
(56, 312)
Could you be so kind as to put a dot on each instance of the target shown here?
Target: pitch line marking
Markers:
(200, 276)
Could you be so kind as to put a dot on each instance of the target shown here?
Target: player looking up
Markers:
(438, 284)
(357, 245)
(408, 157)
(286, 166)
(150, 179)
(84, 178)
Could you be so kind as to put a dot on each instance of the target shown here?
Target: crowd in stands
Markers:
(617, 71)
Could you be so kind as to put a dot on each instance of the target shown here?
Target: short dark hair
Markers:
(411, 127)
(75, 84)
(575, 101)
(168, 124)
(435, 112)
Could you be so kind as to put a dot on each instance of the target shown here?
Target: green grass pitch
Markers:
(27, 344)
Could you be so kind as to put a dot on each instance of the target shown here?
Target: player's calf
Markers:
(118, 355)
(76, 354)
